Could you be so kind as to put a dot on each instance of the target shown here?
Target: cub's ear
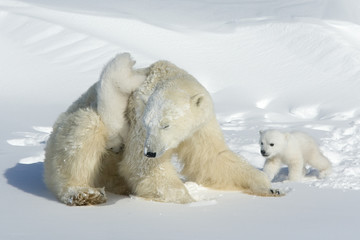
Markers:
(197, 99)
(261, 132)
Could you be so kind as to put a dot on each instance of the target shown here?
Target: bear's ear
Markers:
(261, 132)
(197, 99)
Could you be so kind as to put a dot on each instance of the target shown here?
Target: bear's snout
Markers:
(263, 152)
(150, 154)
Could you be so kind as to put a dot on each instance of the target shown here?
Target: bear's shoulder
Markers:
(303, 138)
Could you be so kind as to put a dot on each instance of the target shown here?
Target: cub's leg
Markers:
(321, 163)
(296, 169)
(272, 167)
(72, 158)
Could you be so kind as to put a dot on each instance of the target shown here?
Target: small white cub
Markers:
(294, 149)
(117, 81)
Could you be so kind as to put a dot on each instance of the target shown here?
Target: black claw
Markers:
(275, 192)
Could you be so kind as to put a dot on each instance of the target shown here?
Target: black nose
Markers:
(150, 154)
(263, 152)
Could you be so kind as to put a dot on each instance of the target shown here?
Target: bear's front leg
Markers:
(296, 169)
(244, 176)
(154, 179)
(225, 171)
(272, 167)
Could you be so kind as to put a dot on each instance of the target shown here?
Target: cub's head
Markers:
(272, 143)
(172, 114)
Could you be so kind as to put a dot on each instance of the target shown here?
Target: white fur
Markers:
(117, 81)
(294, 149)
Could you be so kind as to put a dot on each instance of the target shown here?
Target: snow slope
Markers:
(268, 64)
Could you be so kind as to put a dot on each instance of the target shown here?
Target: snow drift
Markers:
(268, 64)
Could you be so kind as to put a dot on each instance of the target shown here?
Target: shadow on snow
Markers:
(283, 174)
(29, 178)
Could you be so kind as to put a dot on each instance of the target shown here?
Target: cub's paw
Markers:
(82, 196)
(115, 144)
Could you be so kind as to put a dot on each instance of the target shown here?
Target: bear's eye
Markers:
(262, 143)
(271, 144)
(165, 126)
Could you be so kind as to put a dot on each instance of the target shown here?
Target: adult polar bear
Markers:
(170, 113)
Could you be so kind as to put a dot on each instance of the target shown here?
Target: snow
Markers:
(291, 65)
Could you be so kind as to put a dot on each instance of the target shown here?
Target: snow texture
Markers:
(291, 65)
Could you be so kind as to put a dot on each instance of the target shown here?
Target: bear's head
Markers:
(174, 111)
(272, 143)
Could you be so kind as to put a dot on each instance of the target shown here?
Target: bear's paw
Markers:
(82, 196)
(276, 192)
(265, 192)
(178, 195)
(170, 194)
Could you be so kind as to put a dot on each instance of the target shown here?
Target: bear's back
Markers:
(304, 142)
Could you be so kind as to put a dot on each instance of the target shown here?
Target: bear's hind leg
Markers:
(322, 164)
(72, 158)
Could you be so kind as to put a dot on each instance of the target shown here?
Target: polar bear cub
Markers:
(294, 149)
(117, 81)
